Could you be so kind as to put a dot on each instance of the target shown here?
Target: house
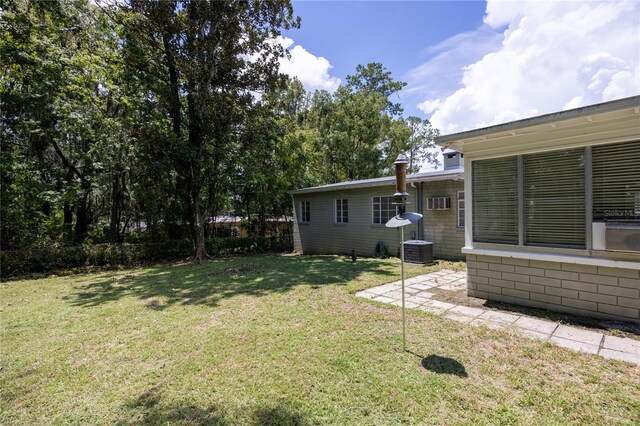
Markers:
(346, 216)
(236, 226)
(553, 210)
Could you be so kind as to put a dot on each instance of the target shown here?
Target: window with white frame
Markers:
(342, 211)
(305, 211)
(460, 201)
(382, 210)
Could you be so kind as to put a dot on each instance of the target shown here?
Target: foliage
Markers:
(134, 121)
(56, 258)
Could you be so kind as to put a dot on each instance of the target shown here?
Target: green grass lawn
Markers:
(278, 340)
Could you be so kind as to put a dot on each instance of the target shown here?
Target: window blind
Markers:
(495, 200)
(616, 182)
(554, 198)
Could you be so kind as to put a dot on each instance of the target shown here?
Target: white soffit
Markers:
(609, 122)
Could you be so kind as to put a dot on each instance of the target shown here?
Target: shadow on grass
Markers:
(209, 282)
(443, 365)
(150, 409)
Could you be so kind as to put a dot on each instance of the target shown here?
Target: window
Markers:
(383, 210)
(305, 211)
(438, 203)
(342, 211)
(460, 199)
(554, 201)
(495, 200)
(616, 182)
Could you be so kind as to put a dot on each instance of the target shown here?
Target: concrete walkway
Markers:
(418, 296)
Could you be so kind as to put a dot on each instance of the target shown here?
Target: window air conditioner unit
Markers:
(438, 203)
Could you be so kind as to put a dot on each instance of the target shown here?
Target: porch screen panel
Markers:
(554, 199)
(495, 200)
(616, 182)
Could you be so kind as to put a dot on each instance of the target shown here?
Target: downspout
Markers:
(419, 205)
(421, 211)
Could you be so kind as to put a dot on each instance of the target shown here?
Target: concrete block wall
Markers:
(592, 291)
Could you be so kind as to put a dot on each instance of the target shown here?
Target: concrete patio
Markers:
(418, 296)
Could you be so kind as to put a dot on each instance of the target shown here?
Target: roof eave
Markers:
(448, 140)
(451, 175)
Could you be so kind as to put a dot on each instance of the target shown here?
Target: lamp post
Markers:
(401, 220)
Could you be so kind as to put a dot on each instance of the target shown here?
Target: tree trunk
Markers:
(199, 249)
(68, 221)
(114, 222)
(82, 219)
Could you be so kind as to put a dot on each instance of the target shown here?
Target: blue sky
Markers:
(469, 64)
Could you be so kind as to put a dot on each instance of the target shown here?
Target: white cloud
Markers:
(552, 56)
(311, 70)
(430, 105)
(441, 74)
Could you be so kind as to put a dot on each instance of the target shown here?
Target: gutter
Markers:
(458, 174)
(585, 111)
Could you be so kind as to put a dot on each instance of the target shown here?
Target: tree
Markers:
(359, 134)
(374, 78)
(62, 110)
(215, 55)
(420, 143)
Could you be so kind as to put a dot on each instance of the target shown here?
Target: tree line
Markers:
(173, 112)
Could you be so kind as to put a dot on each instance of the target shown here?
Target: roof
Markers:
(585, 111)
(455, 174)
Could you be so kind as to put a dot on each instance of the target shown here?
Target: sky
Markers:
(472, 64)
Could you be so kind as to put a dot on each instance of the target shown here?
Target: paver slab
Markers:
(441, 305)
(534, 324)
(431, 309)
(622, 344)
(384, 299)
(577, 339)
(421, 286)
(407, 303)
(574, 345)
(466, 310)
(499, 317)
(579, 335)
(458, 317)
(380, 290)
(620, 356)
(534, 334)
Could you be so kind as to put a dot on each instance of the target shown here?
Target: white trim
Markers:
(468, 196)
(302, 213)
(335, 211)
(549, 257)
(435, 176)
(392, 213)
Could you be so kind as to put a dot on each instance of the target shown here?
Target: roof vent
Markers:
(453, 159)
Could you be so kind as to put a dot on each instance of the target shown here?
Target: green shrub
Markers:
(14, 263)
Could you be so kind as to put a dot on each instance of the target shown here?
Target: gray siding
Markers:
(586, 290)
(440, 226)
(322, 236)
